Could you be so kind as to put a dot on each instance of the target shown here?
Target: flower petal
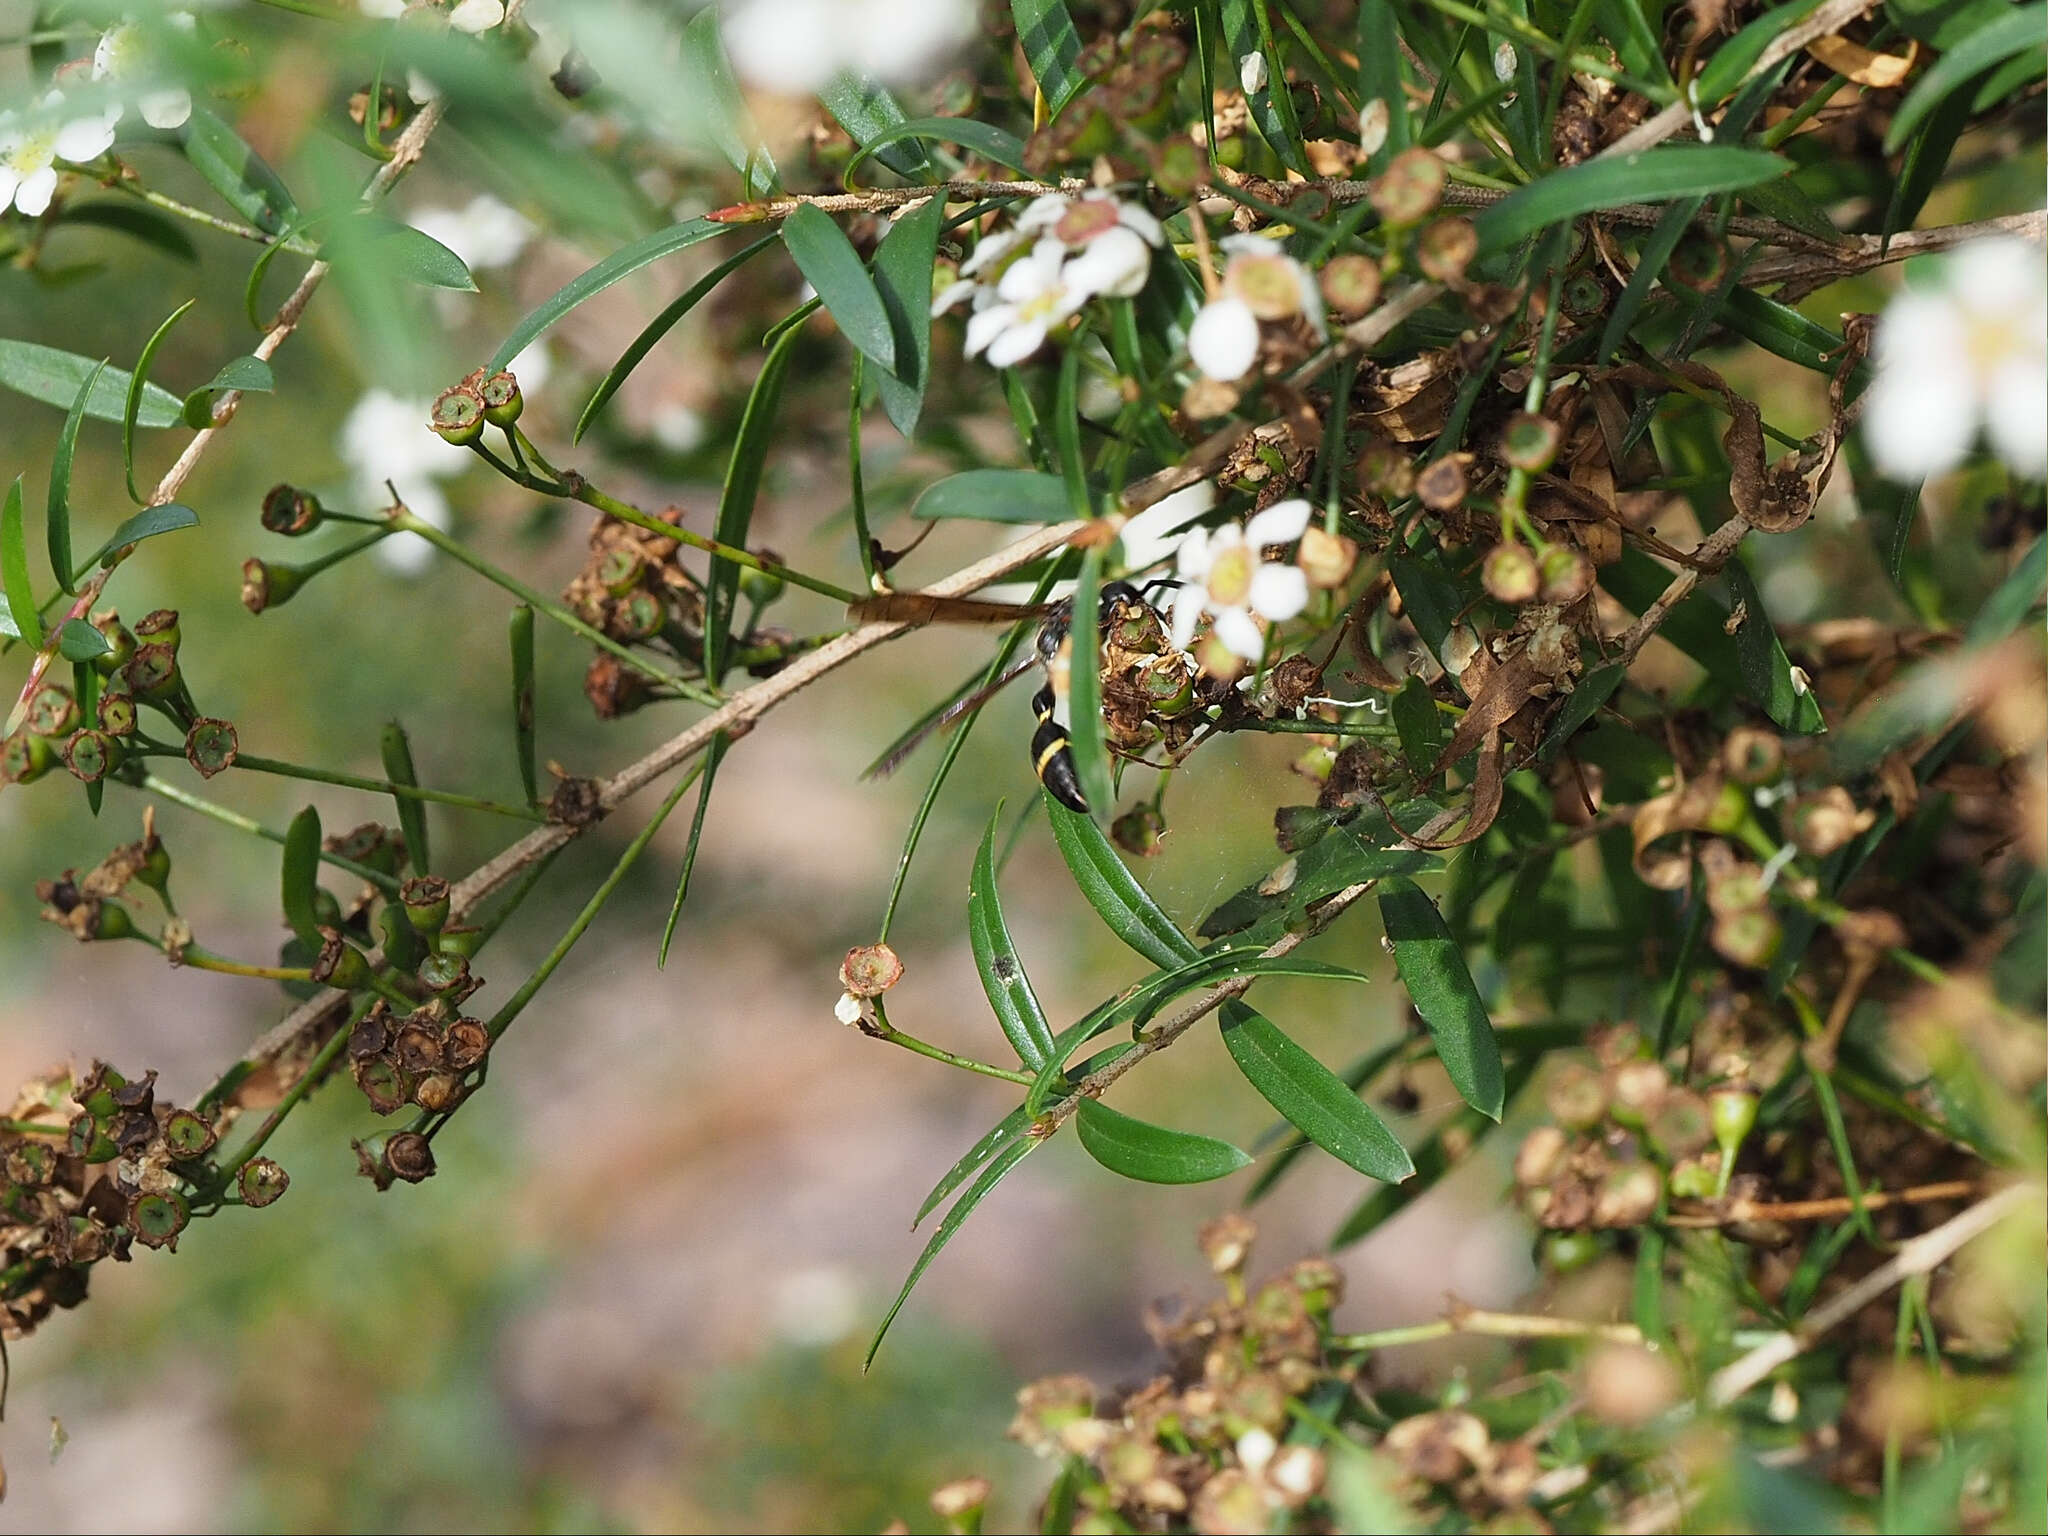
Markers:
(1194, 557)
(952, 294)
(1279, 591)
(1042, 212)
(33, 196)
(1016, 343)
(1918, 421)
(1033, 274)
(993, 248)
(167, 109)
(1140, 220)
(985, 325)
(2016, 416)
(1155, 533)
(1224, 340)
(1239, 632)
(1281, 523)
(1187, 613)
(84, 138)
(1116, 263)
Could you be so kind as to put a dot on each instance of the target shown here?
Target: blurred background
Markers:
(638, 1294)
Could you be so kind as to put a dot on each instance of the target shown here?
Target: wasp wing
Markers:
(968, 699)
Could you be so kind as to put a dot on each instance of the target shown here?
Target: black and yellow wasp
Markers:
(1147, 684)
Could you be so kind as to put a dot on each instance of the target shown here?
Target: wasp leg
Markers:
(1051, 759)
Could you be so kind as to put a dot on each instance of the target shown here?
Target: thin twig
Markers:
(1919, 1256)
(1825, 1210)
(1460, 1318)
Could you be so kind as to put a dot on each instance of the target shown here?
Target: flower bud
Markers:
(1351, 284)
(267, 585)
(290, 511)
(1510, 573)
(262, 1182)
(425, 898)
(117, 713)
(92, 755)
(26, 757)
(1410, 188)
(159, 628)
(1445, 249)
(760, 587)
(52, 712)
(1529, 442)
(502, 400)
(340, 964)
(1732, 1109)
(210, 747)
(1748, 938)
(409, 1156)
(157, 1219)
(458, 415)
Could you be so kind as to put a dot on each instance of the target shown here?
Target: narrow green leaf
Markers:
(301, 868)
(1421, 728)
(79, 641)
(1063, 1499)
(248, 375)
(836, 274)
(1340, 858)
(736, 499)
(659, 327)
(523, 731)
(709, 96)
(2022, 27)
(133, 404)
(2016, 597)
(713, 756)
(58, 518)
(237, 173)
(14, 578)
(1051, 47)
(903, 277)
(1245, 32)
(984, 139)
(1766, 669)
(414, 255)
(164, 517)
(1433, 969)
(995, 496)
(139, 221)
(995, 957)
(619, 265)
(1927, 156)
(1355, 1077)
(55, 378)
(1593, 690)
(1084, 692)
(1654, 176)
(1150, 1153)
(948, 1226)
(1379, 76)
(1312, 1097)
(1788, 203)
(1723, 72)
(1650, 263)
(1108, 885)
(866, 110)
(396, 748)
(994, 1140)
(1428, 596)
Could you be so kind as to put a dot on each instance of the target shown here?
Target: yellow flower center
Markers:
(1230, 578)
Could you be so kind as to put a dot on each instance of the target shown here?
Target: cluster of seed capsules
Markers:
(94, 728)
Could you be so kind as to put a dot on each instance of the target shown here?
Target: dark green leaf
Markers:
(836, 274)
(620, 264)
(249, 375)
(137, 220)
(995, 957)
(1339, 859)
(713, 756)
(415, 255)
(58, 520)
(1312, 1097)
(737, 496)
(866, 110)
(2017, 596)
(301, 867)
(984, 139)
(999, 1135)
(1628, 27)
(950, 1224)
(1084, 692)
(164, 517)
(1593, 690)
(1650, 263)
(1151, 1153)
(396, 748)
(2020, 28)
(1927, 157)
(1433, 970)
(1354, 1077)
(15, 586)
(1787, 202)
(79, 641)
(55, 378)
(1428, 596)
(1415, 717)
(659, 327)
(995, 496)
(1723, 73)
(903, 277)
(1108, 886)
(1246, 32)
(1051, 46)
(237, 173)
(132, 405)
(710, 98)
(1654, 176)
(522, 700)
(1766, 670)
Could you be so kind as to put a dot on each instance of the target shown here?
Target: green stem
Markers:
(384, 787)
(1541, 42)
(1779, 132)
(1285, 726)
(220, 813)
(34, 1128)
(884, 1030)
(200, 959)
(316, 1069)
(208, 220)
(864, 540)
(502, 1019)
(455, 550)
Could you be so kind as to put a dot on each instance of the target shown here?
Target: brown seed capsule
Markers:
(1628, 1385)
(417, 1047)
(409, 1156)
(869, 970)
(502, 400)
(1385, 470)
(468, 1042)
(575, 803)
(52, 712)
(1541, 1157)
(1749, 938)
(1445, 249)
(438, 1092)
(1410, 188)
(210, 747)
(159, 627)
(340, 964)
(1529, 442)
(1566, 574)
(1628, 1196)
(1442, 486)
(1576, 1096)
(382, 1083)
(458, 415)
(117, 714)
(92, 755)
(152, 672)
(157, 1219)
(371, 1034)
(1679, 1125)
(1226, 1242)
(187, 1135)
(1751, 756)
(290, 511)
(1821, 823)
(1509, 573)
(1351, 284)
(266, 585)
(262, 1182)
(1326, 558)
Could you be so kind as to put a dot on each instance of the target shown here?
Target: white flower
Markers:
(990, 251)
(1076, 221)
(1224, 340)
(474, 16)
(1255, 1447)
(1033, 296)
(1972, 352)
(677, 428)
(124, 57)
(1251, 72)
(852, 1010)
(1153, 534)
(1261, 282)
(1225, 575)
(31, 146)
(796, 46)
(386, 437)
(950, 296)
(485, 232)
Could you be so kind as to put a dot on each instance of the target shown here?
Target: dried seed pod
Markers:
(1442, 486)
(157, 1219)
(1445, 249)
(1351, 284)
(211, 747)
(1410, 188)
(187, 1135)
(468, 1042)
(417, 1046)
(409, 1156)
(1530, 442)
(262, 1182)
(382, 1083)
(1510, 574)
(290, 511)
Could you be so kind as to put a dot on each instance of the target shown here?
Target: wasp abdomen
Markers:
(1051, 758)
